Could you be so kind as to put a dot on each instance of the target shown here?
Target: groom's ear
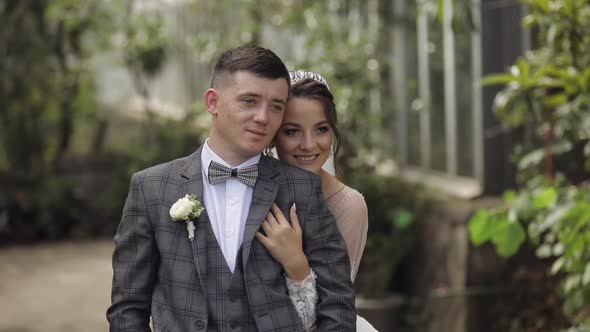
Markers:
(211, 101)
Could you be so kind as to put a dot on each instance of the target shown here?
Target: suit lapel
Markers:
(264, 195)
(194, 186)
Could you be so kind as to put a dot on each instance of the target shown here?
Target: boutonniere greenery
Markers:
(186, 209)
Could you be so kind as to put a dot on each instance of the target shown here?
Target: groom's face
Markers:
(247, 111)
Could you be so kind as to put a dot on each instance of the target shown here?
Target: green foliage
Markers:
(556, 218)
(45, 79)
(145, 48)
(498, 229)
(546, 94)
(48, 95)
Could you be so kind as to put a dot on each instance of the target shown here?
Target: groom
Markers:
(223, 279)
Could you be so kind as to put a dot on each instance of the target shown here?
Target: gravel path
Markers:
(55, 287)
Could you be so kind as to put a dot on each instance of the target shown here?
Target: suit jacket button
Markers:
(199, 324)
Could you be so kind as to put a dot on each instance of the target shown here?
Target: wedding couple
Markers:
(232, 239)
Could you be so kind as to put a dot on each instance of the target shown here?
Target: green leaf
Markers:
(509, 239)
(509, 196)
(502, 101)
(561, 146)
(571, 282)
(523, 205)
(523, 69)
(543, 251)
(529, 21)
(557, 265)
(506, 236)
(518, 114)
(558, 249)
(545, 198)
(495, 79)
(553, 217)
(531, 159)
(479, 227)
(556, 100)
(512, 215)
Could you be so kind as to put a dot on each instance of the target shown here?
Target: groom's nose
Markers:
(261, 115)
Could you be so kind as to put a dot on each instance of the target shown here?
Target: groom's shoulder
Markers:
(169, 169)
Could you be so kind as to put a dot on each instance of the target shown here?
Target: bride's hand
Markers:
(284, 242)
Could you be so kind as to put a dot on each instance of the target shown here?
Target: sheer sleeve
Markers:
(304, 296)
(352, 220)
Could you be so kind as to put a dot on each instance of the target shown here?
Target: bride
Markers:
(306, 139)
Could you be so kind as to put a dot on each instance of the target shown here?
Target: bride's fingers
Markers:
(278, 214)
(266, 227)
(294, 218)
(272, 221)
(263, 239)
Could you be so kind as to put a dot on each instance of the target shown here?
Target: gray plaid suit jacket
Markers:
(159, 272)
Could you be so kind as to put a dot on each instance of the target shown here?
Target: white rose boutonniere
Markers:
(186, 209)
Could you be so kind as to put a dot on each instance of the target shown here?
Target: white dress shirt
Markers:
(227, 204)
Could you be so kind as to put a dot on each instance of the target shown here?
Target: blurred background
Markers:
(465, 124)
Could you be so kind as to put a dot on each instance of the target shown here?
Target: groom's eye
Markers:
(277, 107)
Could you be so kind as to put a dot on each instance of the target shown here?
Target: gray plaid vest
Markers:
(227, 300)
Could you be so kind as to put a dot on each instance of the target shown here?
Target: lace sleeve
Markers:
(304, 296)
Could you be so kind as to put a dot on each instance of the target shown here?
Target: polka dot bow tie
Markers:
(219, 173)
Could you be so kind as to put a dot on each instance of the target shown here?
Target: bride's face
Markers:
(305, 136)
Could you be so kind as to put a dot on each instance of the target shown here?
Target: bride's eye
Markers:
(290, 131)
(323, 129)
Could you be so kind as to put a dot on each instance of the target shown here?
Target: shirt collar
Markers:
(208, 155)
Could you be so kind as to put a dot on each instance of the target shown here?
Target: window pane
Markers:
(464, 85)
(411, 82)
(437, 93)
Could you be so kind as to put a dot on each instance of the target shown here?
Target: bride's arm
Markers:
(353, 225)
(284, 242)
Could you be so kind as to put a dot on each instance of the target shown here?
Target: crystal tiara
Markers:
(298, 75)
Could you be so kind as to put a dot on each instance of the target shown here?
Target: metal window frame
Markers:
(424, 89)
(477, 92)
(399, 74)
(448, 181)
(450, 92)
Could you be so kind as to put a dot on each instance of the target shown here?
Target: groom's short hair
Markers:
(250, 58)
